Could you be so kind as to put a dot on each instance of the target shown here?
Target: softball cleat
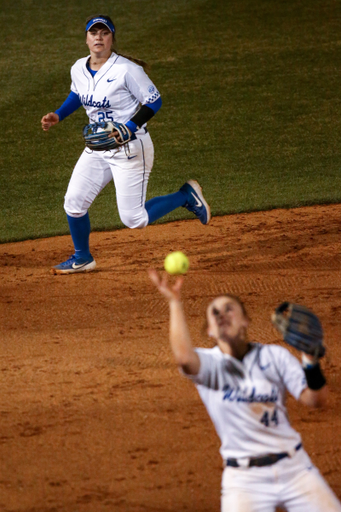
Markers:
(73, 265)
(196, 202)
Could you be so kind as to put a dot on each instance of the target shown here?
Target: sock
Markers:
(160, 206)
(80, 233)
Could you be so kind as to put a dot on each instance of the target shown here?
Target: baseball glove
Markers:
(300, 327)
(96, 135)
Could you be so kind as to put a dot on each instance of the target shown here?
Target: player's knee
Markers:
(134, 219)
(74, 205)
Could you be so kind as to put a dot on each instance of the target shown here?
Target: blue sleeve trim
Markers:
(156, 105)
(71, 104)
(132, 126)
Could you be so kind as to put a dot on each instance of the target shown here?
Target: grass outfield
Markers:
(251, 104)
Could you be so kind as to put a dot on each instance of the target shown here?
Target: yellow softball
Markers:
(176, 263)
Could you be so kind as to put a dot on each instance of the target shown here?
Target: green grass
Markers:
(251, 98)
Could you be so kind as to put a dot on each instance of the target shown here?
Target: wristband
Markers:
(315, 377)
(143, 115)
(132, 126)
(307, 362)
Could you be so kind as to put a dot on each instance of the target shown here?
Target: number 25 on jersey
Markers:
(105, 116)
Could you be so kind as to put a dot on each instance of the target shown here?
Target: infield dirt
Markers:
(94, 415)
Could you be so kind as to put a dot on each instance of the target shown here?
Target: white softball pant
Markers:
(293, 484)
(129, 167)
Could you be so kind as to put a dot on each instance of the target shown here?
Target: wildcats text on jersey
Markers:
(237, 394)
(88, 102)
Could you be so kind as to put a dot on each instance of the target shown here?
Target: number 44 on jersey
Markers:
(270, 419)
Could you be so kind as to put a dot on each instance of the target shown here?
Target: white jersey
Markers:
(245, 400)
(115, 92)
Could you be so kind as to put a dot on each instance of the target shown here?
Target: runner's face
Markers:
(99, 39)
(226, 319)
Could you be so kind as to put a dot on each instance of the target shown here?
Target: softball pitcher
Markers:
(114, 88)
(243, 387)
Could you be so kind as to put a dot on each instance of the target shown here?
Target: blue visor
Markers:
(103, 21)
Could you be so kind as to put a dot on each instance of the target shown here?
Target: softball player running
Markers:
(243, 387)
(114, 88)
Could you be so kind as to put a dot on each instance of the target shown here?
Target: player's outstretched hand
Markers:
(49, 120)
(170, 292)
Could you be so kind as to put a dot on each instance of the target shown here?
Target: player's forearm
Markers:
(315, 395)
(313, 398)
(146, 112)
(69, 106)
(180, 339)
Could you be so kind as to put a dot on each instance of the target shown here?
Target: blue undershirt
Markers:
(92, 71)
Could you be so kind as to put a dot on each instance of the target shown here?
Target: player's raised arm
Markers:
(179, 336)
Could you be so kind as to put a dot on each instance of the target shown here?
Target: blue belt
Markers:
(266, 460)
